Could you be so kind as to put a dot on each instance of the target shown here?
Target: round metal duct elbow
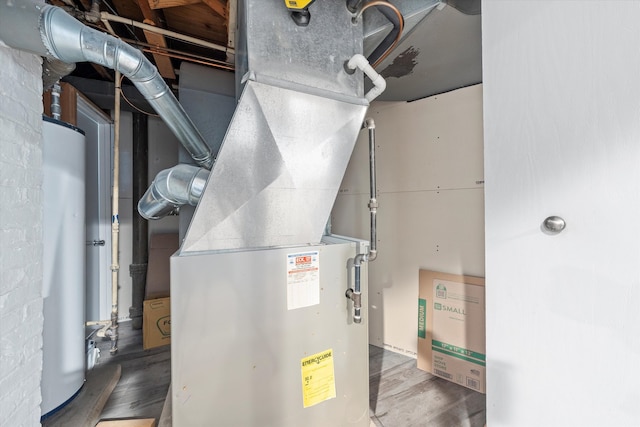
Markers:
(172, 188)
(51, 32)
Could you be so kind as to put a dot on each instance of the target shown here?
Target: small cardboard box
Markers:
(161, 247)
(451, 328)
(156, 323)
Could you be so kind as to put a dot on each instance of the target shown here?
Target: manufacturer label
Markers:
(318, 378)
(303, 279)
(422, 318)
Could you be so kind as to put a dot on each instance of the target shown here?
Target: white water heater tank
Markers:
(63, 287)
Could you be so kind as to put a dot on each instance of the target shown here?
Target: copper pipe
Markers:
(194, 59)
(179, 54)
(384, 3)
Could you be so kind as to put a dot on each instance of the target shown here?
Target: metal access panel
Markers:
(255, 339)
(272, 47)
(278, 172)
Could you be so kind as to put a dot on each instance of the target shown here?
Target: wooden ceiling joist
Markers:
(162, 4)
(163, 62)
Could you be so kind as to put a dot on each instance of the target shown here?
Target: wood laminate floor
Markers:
(145, 376)
(400, 394)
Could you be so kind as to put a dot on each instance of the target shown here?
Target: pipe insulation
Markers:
(49, 31)
(180, 185)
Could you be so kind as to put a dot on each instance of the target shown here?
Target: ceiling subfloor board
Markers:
(218, 6)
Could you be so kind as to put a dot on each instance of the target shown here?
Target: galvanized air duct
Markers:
(180, 185)
(49, 31)
(53, 70)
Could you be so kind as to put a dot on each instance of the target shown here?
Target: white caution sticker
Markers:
(303, 279)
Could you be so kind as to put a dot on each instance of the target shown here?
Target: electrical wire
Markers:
(130, 103)
(187, 58)
(179, 54)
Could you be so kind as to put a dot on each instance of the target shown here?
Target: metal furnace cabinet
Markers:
(266, 337)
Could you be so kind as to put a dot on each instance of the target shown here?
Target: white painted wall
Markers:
(430, 174)
(20, 238)
(562, 137)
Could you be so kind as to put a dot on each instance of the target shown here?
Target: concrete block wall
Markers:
(20, 238)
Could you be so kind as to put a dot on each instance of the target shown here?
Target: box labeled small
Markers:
(451, 328)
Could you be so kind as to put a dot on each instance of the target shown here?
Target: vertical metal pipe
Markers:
(55, 101)
(355, 294)
(373, 189)
(140, 253)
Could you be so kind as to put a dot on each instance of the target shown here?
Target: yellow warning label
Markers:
(298, 4)
(318, 378)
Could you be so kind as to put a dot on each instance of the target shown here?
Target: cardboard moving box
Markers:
(161, 247)
(451, 328)
(156, 323)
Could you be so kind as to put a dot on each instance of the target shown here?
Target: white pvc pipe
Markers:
(105, 16)
(115, 220)
(358, 61)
